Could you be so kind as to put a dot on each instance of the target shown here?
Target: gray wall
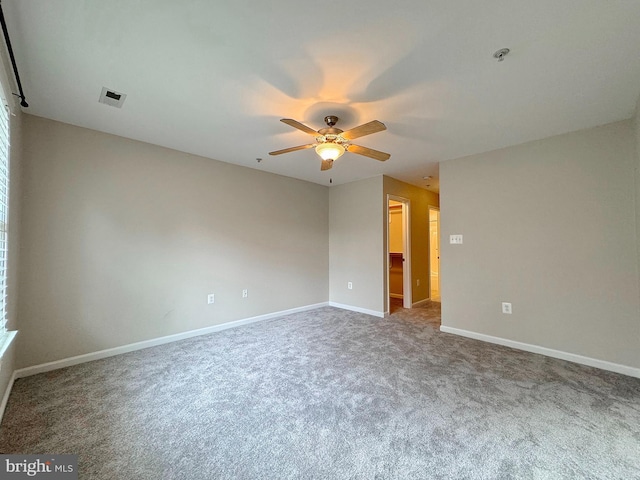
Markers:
(356, 244)
(551, 227)
(636, 123)
(122, 241)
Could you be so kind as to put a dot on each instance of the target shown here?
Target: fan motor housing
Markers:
(329, 131)
(330, 120)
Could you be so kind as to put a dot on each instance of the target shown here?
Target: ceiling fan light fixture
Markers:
(330, 151)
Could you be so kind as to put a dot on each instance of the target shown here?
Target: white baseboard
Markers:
(396, 295)
(570, 357)
(110, 352)
(420, 303)
(7, 392)
(357, 309)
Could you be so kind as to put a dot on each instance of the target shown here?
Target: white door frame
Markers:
(406, 247)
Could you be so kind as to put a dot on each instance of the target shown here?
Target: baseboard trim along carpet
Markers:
(357, 309)
(110, 352)
(549, 352)
(421, 303)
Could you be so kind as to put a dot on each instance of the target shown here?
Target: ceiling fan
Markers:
(332, 142)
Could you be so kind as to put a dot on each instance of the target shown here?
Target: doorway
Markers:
(398, 252)
(434, 254)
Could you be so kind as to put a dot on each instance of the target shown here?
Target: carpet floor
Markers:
(331, 394)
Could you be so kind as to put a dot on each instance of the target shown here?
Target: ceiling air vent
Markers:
(111, 97)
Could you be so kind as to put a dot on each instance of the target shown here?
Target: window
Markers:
(4, 214)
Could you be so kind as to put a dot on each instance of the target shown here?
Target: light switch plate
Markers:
(455, 239)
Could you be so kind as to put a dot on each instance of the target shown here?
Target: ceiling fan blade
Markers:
(299, 126)
(366, 129)
(291, 149)
(368, 152)
(326, 165)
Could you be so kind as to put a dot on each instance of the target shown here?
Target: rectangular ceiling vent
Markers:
(111, 97)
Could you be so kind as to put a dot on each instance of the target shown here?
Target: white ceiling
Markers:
(214, 77)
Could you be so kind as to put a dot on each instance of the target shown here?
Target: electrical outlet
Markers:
(418, 282)
(350, 285)
(245, 293)
(506, 308)
(211, 298)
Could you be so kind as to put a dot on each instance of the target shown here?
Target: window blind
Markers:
(4, 213)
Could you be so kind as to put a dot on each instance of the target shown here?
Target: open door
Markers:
(398, 251)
